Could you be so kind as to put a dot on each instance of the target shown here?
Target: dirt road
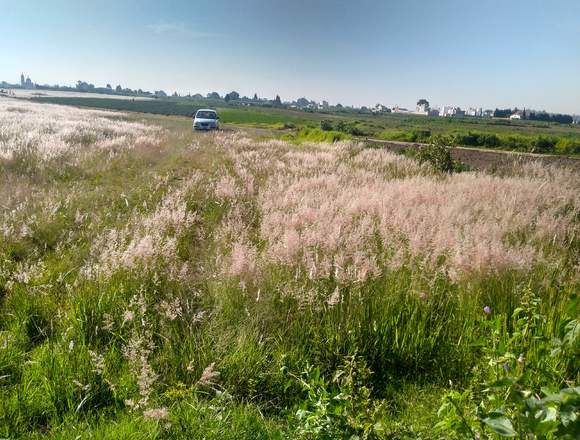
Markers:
(485, 159)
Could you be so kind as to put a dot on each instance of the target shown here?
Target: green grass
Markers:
(268, 117)
(315, 135)
(415, 348)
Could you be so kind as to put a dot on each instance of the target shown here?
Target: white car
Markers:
(206, 119)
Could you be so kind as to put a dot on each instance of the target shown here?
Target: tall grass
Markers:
(219, 287)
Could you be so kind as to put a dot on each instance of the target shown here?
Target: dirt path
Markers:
(484, 159)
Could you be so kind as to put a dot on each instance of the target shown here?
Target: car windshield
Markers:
(205, 115)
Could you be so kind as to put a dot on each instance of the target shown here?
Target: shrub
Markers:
(543, 145)
(421, 135)
(342, 408)
(326, 125)
(568, 146)
(349, 127)
(437, 155)
(476, 139)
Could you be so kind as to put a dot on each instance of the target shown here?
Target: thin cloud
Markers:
(178, 29)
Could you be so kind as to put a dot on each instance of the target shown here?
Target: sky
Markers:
(488, 53)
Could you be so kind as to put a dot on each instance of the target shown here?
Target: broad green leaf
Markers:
(500, 425)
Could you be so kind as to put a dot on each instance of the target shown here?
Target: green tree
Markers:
(232, 96)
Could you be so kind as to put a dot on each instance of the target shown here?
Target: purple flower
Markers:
(506, 367)
(487, 310)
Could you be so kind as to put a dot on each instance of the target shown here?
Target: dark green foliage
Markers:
(348, 127)
(326, 125)
(544, 145)
(438, 155)
(476, 139)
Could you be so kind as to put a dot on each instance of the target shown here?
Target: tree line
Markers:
(534, 115)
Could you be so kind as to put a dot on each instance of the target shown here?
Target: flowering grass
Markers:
(49, 132)
(338, 210)
(168, 284)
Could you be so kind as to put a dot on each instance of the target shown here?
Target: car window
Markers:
(205, 115)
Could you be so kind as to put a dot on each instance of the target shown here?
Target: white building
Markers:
(379, 108)
(422, 107)
(474, 112)
(447, 110)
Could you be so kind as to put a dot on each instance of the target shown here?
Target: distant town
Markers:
(422, 107)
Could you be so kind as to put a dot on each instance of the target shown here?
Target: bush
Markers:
(349, 127)
(543, 145)
(326, 125)
(476, 139)
(438, 155)
(568, 146)
(342, 408)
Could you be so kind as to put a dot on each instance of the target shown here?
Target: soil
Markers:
(487, 160)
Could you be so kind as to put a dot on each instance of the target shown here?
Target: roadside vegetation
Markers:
(156, 283)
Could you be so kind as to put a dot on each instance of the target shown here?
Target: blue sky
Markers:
(488, 53)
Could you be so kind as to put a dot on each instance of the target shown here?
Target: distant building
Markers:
(422, 107)
(380, 108)
(474, 112)
(517, 115)
(488, 114)
(450, 111)
(26, 83)
(322, 105)
(433, 112)
(397, 109)
(447, 110)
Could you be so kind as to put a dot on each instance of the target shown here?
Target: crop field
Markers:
(266, 117)
(157, 283)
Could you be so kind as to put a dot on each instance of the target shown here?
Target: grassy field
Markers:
(158, 283)
(526, 136)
